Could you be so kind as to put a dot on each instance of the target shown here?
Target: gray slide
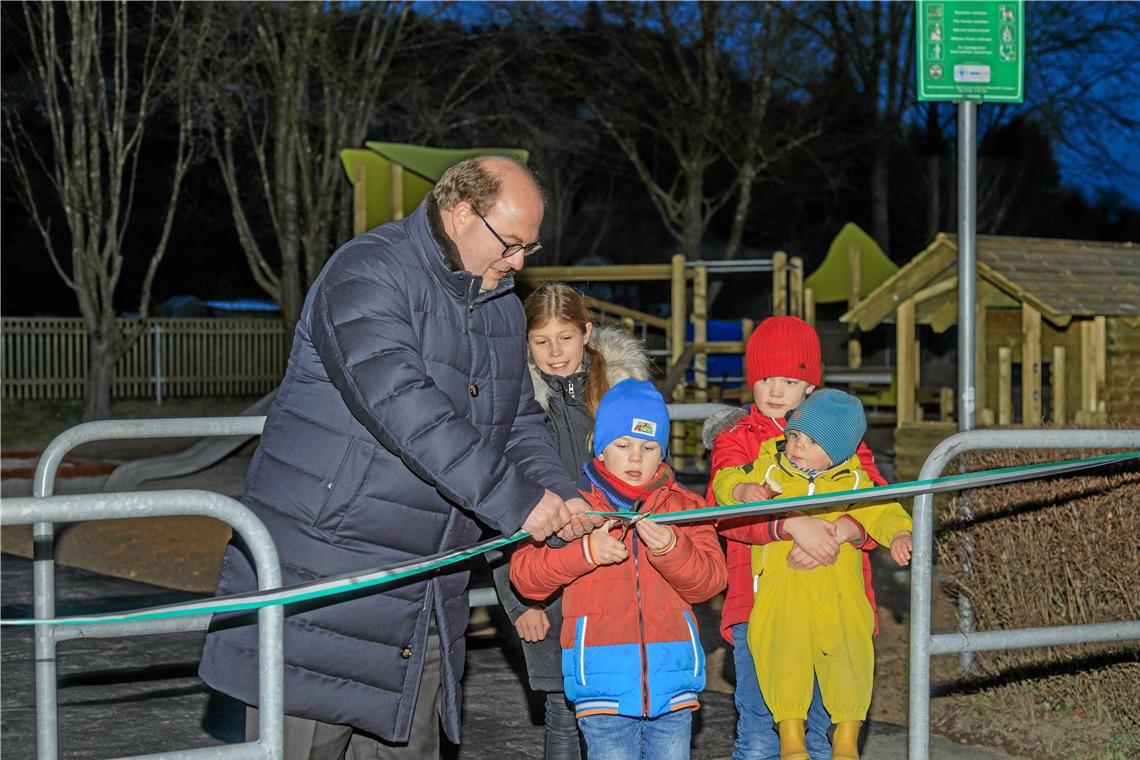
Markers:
(205, 453)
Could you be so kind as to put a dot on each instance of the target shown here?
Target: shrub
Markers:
(1052, 552)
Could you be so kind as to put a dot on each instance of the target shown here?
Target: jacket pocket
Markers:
(341, 490)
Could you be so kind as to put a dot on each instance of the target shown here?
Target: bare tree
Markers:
(99, 74)
(686, 91)
(308, 84)
(873, 48)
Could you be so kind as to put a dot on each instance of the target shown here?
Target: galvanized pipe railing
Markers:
(922, 644)
(43, 541)
(52, 509)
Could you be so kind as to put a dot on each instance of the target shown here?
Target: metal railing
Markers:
(47, 510)
(923, 645)
(44, 509)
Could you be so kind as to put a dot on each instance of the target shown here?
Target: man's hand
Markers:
(815, 536)
(901, 546)
(547, 517)
(533, 625)
(580, 523)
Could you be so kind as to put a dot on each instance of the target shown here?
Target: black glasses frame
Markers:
(510, 249)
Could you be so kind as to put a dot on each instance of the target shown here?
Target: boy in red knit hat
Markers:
(783, 366)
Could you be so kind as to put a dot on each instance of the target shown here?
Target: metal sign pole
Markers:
(967, 282)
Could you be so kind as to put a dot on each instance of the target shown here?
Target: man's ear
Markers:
(461, 214)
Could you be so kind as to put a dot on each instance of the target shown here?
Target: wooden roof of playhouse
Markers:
(1062, 279)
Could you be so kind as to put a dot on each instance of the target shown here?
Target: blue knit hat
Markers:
(633, 408)
(833, 419)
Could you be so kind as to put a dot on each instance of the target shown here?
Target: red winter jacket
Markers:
(739, 444)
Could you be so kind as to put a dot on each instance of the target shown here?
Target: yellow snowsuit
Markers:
(814, 623)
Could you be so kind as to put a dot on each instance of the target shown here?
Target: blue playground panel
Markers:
(726, 370)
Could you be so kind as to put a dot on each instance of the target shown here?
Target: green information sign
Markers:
(971, 50)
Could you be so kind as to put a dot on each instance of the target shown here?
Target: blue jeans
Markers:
(756, 737)
(617, 737)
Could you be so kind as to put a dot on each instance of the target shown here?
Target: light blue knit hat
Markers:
(833, 419)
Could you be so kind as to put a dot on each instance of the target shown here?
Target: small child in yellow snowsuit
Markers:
(817, 623)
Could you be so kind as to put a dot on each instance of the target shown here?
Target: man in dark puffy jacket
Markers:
(406, 422)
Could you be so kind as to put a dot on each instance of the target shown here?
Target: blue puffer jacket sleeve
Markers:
(363, 332)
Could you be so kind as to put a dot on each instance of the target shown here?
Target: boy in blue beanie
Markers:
(632, 661)
(818, 623)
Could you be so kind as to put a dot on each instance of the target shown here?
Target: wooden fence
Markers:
(46, 358)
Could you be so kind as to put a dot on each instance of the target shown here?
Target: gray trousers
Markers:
(307, 739)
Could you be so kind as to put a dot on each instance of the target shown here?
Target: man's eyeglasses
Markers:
(510, 249)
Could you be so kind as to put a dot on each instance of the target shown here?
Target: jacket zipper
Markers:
(641, 629)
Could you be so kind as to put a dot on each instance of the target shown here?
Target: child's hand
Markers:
(815, 537)
(533, 625)
(605, 549)
(657, 537)
(746, 492)
(901, 546)
(798, 559)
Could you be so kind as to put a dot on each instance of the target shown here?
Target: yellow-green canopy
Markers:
(830, 281)
(422, 168)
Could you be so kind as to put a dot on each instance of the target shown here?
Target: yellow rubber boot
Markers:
(845, 741)
(792, 746)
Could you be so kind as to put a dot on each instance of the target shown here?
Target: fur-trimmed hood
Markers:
(625, 358)
(718, 422)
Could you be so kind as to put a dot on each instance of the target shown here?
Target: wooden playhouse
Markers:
(1057, 329)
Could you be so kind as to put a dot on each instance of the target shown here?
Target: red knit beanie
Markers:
(783, 347)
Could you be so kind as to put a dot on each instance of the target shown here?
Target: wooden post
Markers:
(946, 404)
(359, 199)
(1088, 370)
(397, 191)
(796, 287)
(701, 330)
(980, 412)
(854, 283)
(809, 306)
(1005, 386)
(1057, 385)
(1100, 359)
(904, 350)
(1030, 365)
(677, 320)
(700, 335)
(779, 283)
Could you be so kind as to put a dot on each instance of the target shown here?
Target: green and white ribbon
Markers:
(363, 579)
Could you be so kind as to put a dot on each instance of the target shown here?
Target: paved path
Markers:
(129, 696)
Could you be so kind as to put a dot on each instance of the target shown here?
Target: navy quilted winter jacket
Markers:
(406, 414)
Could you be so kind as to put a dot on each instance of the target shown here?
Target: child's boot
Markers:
(792, 746)
(845, 741)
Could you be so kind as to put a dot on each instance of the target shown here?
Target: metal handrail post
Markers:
(271, 676)
(921, 642)
(43, 538)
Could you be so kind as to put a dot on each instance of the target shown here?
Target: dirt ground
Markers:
(184, 553)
